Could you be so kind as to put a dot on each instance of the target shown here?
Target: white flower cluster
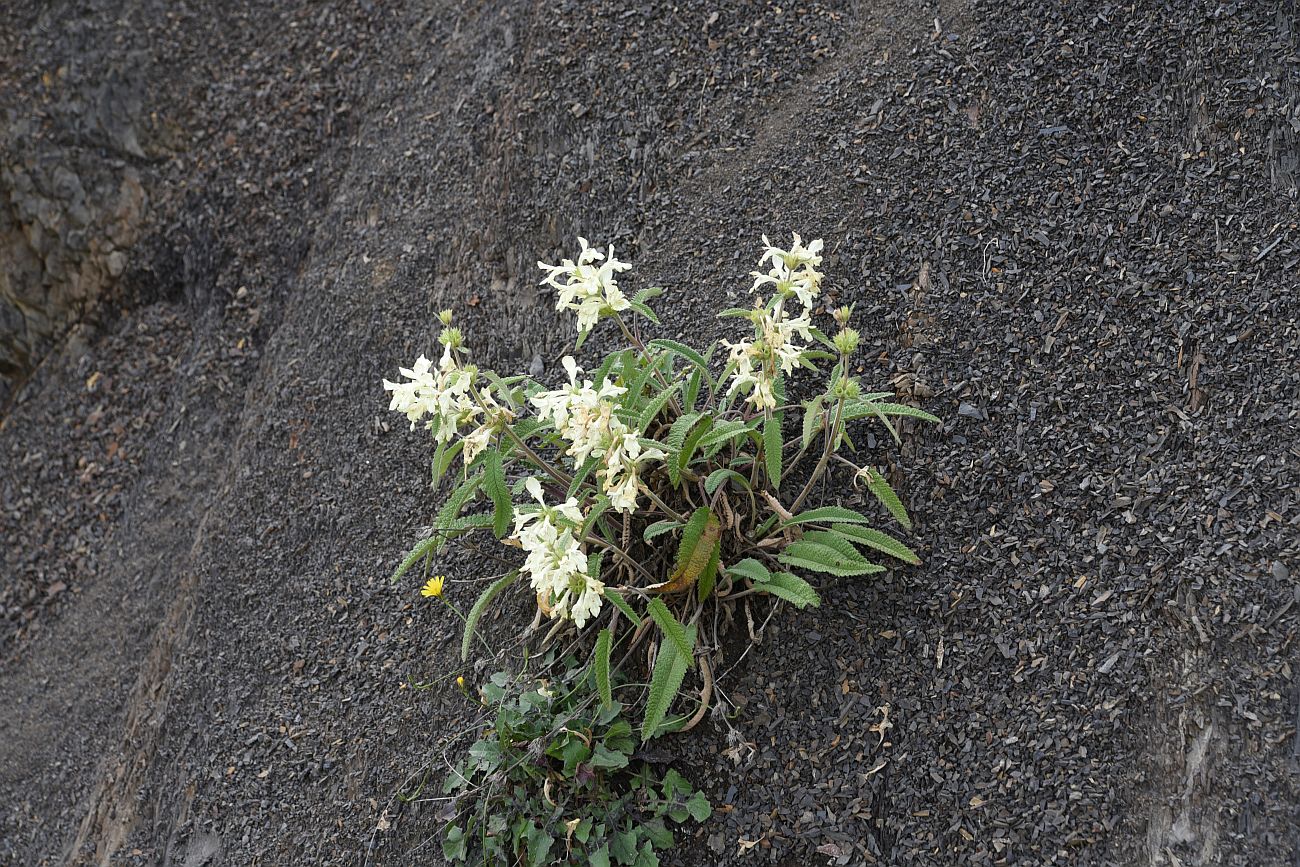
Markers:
(443, 393)
(773, 349)
(586, 288)
(446, 394)
(793, 271)
(555, 563)
(584, 415)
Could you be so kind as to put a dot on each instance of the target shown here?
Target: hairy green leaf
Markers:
(717, 477)
(792, 589)
(819, 557)
(885, 494)
(692, 392)
(677, 634)
(645, 311)
(865, 407)
(603, 643)
(723, 432)
(826, 514)
(692, 441)
(658, 528)
(423, 548)
(656, 406)
(665, 682)
(812, 420)
(494, 481)
(751, 569)
(772, 451)
(480, 605)
(709, 577)
(683, 350)
(882, 542)
(617, 600)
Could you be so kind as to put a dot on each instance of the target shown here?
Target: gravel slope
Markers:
(1070, 232)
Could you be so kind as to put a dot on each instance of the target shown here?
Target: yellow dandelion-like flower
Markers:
(460, 682)
(434, 587)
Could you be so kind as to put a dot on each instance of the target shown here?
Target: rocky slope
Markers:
(1070, 232)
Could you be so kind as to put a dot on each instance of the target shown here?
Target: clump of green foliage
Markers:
(671, 483)
(553, 781)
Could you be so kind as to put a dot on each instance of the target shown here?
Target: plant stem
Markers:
(831, 436)
(668, 510)
(645, 353)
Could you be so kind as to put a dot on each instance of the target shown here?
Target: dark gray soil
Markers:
(1070, 230)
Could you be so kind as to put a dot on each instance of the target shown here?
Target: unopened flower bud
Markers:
(846, 341)
(444, 316)
(842, 315)
(451, 337)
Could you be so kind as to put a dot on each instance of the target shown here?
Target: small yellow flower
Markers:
(460, 682)
(434, 587)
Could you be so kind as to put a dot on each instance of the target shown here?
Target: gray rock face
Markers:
(67, 223)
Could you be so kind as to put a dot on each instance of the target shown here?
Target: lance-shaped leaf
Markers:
(480, 605)
(665, 682)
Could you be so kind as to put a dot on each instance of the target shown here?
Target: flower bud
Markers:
(846, 341)
(842, 315)
(444, 317)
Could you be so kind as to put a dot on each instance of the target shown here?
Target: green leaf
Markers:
(885, 494)
(772, 450)
(494, 482)
(717, 477)
(699, 807)
(680, 637)
(480, 605)
(812, 418)
(455, 844)
(688, 449)
(603, 757)
(683, 350)
(645, 311)
(654, 407)
(736, 313)
(658, 528)
(882, 542)
(704, 584)
(423, 548)
(751, 569)
(665, 682)
(826, 514)
(677, 435)
(443, 457)
(723, 432)
(692, 389)
(598, 508)
(691, 533)
(600, 857)
(648, 294)
(623, 846)
(539, 846)
(603, 641)
(583, 472)
(865, 407)
(456, 502)
(792, 589)
(818, 557)
(620, 603)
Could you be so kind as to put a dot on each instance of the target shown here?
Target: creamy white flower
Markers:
(443, 394)
(554, 561)
(793, 271)
(584, 415)
(772, 349)
(589, 290)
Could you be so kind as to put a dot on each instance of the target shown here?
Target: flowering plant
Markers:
(645, 483)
